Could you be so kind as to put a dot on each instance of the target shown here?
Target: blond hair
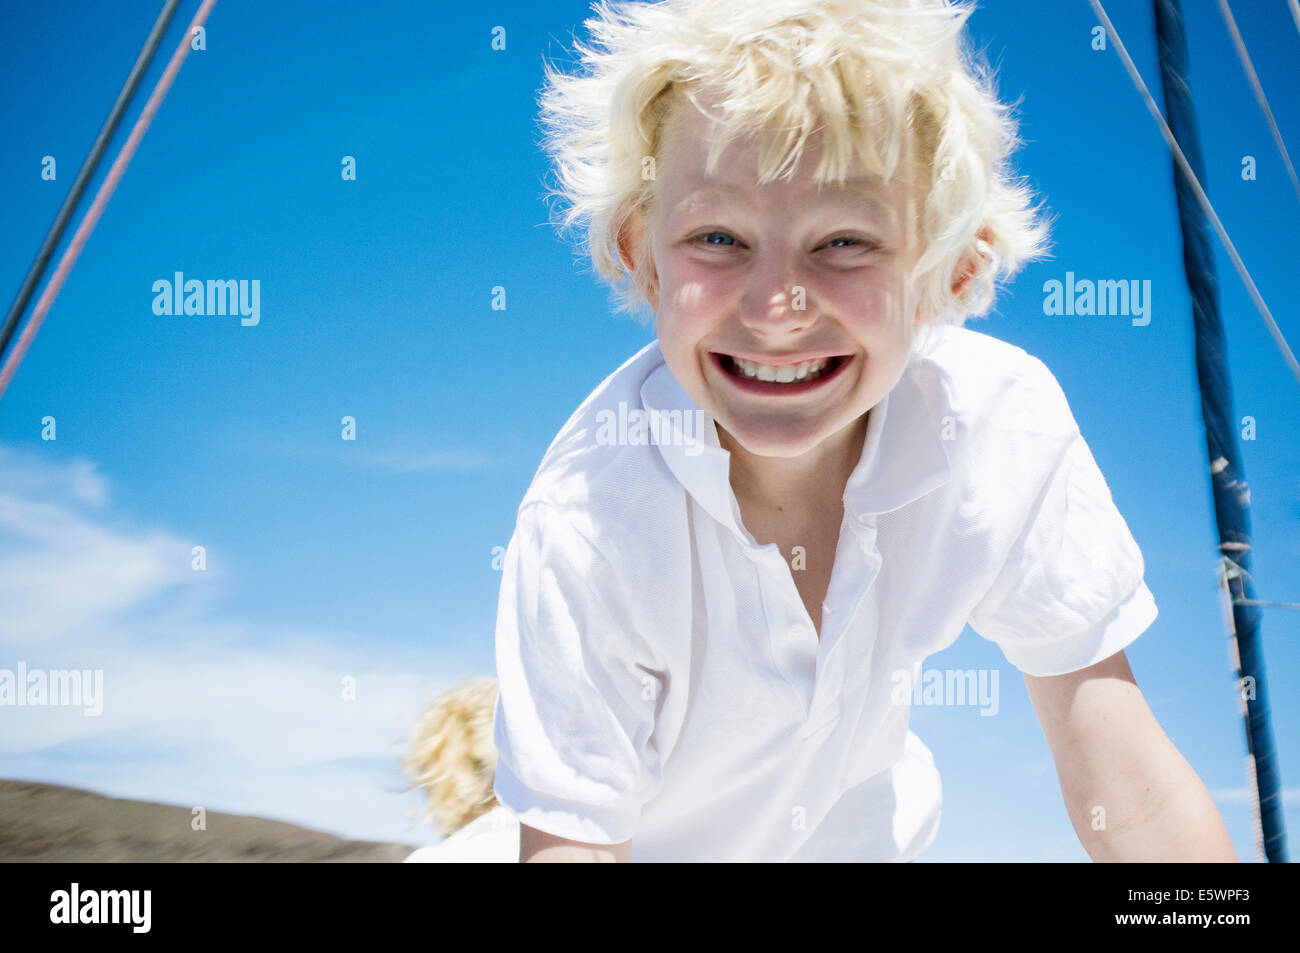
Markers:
(862, 73)
(452, 754)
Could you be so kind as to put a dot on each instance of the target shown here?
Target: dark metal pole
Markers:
(1227, 475)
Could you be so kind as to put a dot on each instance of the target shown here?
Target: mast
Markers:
(1227, 475)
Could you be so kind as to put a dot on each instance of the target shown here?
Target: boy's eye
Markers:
(708, 235)
(853, 241)
(728, 240)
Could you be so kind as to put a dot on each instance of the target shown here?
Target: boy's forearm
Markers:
(1130, 793)
(1162, 816)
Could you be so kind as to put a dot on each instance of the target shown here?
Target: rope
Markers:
(1201, 197)
(85, 173)
(1249, 67)
(91, 218)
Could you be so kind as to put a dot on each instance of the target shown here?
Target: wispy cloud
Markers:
(62, 567)
(410, 460)
(414, 455)
(197, 708)
(30, 473)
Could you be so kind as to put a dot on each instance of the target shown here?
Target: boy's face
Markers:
(812, 284)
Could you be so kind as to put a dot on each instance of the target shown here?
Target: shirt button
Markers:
(796, 633)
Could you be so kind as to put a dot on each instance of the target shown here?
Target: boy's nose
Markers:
(775, 309)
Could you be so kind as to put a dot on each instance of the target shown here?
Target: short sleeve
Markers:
(1072, 591)
(575, 713)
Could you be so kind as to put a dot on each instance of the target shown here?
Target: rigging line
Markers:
(106, 131)
(1295, 13)
(1201, 197)
(1249, 67)
(1265, 602)
(91, 218)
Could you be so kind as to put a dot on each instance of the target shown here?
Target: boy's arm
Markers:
(540, 847)
(574, 734)
(1112, 754)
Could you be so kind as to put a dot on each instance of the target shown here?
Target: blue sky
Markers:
(372, 558)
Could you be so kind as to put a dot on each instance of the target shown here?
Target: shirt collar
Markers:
(903, 457)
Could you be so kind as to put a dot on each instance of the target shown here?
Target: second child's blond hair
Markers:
(452, 754)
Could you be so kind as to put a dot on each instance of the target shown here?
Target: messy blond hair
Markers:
(452, 754)
(862, 73)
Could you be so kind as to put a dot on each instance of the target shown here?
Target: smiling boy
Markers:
(697, 650)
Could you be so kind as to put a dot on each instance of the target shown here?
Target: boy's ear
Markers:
(966, 270)
(630, 238)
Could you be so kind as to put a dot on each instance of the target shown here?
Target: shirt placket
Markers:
(845, 600)
(816, 668)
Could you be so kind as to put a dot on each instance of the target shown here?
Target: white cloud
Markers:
(197, 710)
(401, 455)
(62, 567)
(30, 473)
(410, 460)
(59, 573)
(263, 731)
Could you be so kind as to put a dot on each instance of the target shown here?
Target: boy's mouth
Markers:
(784, 378)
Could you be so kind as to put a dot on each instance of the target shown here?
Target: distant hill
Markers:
(48, 822)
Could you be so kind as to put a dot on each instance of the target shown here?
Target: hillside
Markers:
(48, 822)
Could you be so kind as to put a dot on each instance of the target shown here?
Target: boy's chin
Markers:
(770, 441)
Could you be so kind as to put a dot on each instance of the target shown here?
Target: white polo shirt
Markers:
(660, 678)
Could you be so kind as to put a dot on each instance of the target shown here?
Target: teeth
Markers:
(784, 374)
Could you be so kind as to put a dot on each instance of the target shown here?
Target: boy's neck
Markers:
(807, 483)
